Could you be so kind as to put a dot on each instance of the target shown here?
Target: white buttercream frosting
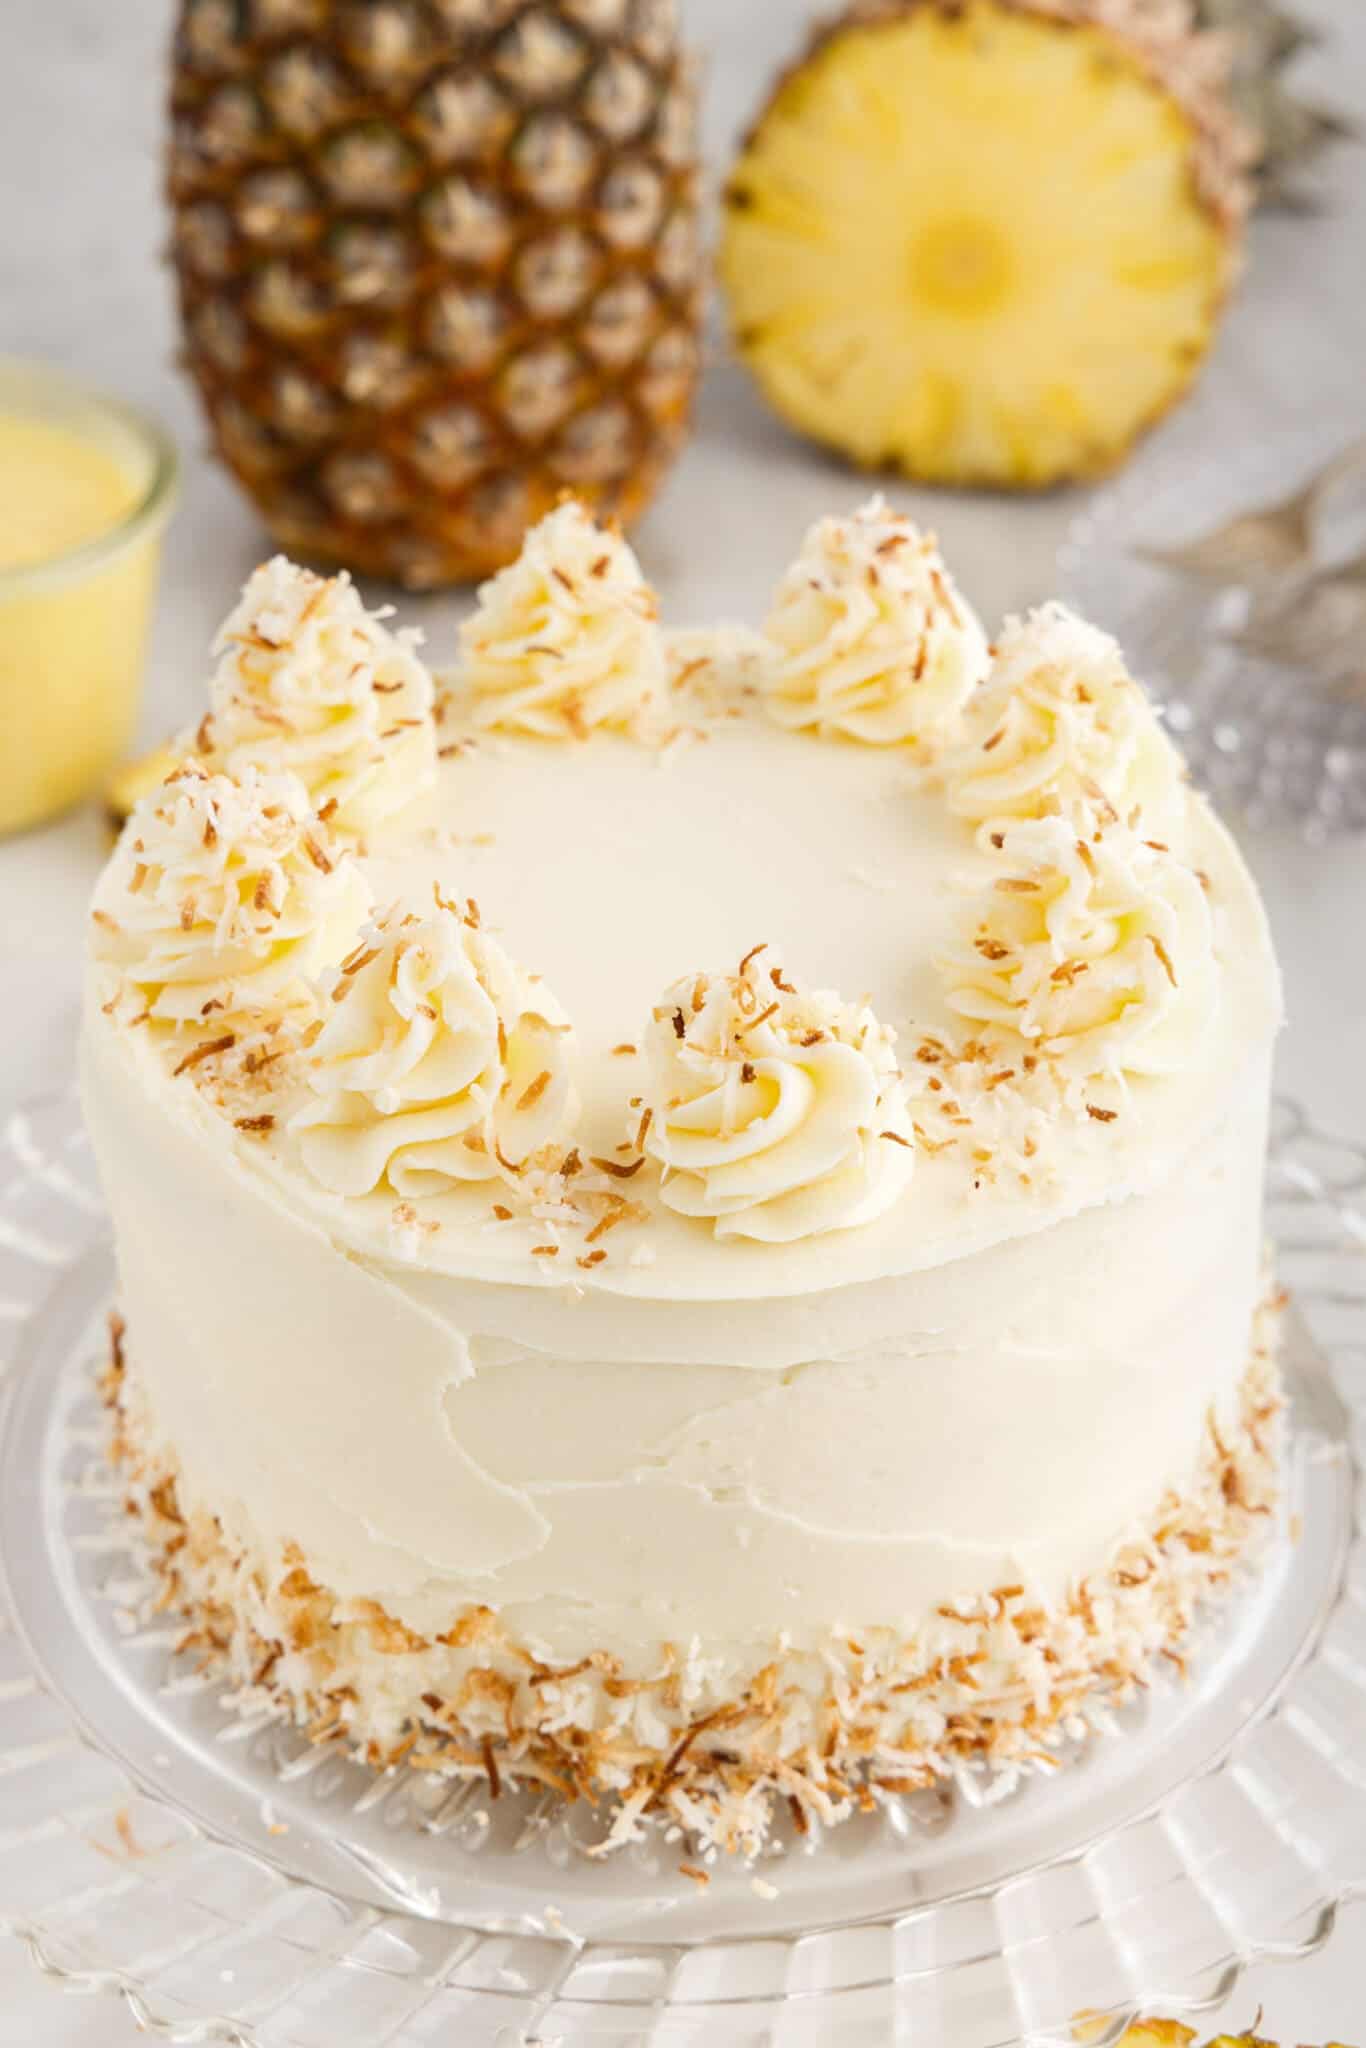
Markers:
(226, 897)
(1059, 719)
(714, 668)
(619, 1428)
(869, 636)
(778, 1112)
(703, 1741)
(440, 1062)
(310, 681)
(567, 637)
(616, 1473)
(1094, 944)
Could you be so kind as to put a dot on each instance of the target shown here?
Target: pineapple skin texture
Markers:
(438, 262)
(966, 240)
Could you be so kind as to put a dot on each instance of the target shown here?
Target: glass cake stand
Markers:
(236, 1885)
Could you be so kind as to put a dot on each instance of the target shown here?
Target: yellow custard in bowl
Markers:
(85, 489)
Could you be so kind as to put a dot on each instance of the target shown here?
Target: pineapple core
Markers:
(972, 246)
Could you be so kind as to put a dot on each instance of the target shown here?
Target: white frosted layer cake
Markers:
(687, 1205)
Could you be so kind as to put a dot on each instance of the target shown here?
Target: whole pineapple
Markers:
(987, 241)
(438, 262)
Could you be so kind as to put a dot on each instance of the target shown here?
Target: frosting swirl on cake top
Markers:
(1059, 719)
(1094, 945)
(307, 680)
(870, 638)
(567, 637)
(761, 1133)
(439, 1063)
(225, 897)
(777, 1112)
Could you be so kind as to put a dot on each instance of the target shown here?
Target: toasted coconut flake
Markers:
(208, 1049)
(619, 1169)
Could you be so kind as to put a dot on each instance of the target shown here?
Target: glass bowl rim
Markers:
(77, 399)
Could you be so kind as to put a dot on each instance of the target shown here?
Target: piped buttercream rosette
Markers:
(566, 639)
(226, 897)
(1059, 720)
(1091, 944)
(868, 636)
(776, 1112)
(440, 1063)
(308, 680)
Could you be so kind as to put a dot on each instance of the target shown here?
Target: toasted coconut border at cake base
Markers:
(986, 1691)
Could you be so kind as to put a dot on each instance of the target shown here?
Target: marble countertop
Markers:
(80, 114)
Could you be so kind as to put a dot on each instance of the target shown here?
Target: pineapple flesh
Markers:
(438, 262)
(980, 241)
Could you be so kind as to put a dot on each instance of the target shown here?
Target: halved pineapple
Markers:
(983, 242)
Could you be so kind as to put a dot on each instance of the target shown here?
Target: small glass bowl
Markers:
(73, 627)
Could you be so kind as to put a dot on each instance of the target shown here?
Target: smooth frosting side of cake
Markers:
(615, 1472)
(987, 1691)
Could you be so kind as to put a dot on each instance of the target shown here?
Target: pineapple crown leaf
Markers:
(1290, 134)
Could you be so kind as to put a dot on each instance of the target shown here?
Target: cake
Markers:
(687, 1201)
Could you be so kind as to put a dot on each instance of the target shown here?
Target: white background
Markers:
(81, 86)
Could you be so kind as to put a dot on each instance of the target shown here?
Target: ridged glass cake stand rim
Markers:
(245, 1899)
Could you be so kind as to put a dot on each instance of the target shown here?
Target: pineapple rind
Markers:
(1059, 337)
(436, 266)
